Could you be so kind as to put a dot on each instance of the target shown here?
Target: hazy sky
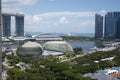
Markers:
(60, 15)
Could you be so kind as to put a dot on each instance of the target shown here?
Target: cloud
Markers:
(56, 18)
(103, 12)
(63, 20)
(16, 5)
(85, 26)
(60, 21)
(18, 2)
(32, 20)
(37, 19)
(68, 13)
(87, 23)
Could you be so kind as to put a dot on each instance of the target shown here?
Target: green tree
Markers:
(69, 54)
(78, 50)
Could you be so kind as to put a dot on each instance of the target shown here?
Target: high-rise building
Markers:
(112, 25)
(19, 25)
(98, 26)
(118, 29)
(6, 20)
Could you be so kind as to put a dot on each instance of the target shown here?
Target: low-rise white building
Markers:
(108, 71)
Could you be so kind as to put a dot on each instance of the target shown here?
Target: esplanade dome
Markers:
(58, 46)
(30, 49)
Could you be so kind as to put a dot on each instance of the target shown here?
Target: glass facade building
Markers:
(6, 24)
(112, 25)
(19, 25)
(98, 26)
(6, 20)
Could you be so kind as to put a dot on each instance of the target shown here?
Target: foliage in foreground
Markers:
(42, 68)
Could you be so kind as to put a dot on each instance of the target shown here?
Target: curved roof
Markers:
(46, 36)
(29, 49)
(61, 46)
(31, 44)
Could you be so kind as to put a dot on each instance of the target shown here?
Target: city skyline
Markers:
(60, 15)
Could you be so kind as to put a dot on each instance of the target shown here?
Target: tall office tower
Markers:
(6, 20)
(98, 26)
(19, 25)
(118, 29)
(112, 25)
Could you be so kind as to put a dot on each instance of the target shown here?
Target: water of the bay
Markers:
(85, 45)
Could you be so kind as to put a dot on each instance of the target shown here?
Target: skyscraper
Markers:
(98, 26)
(6, 19)
(19, 25)
(112, 25)
(118, 29)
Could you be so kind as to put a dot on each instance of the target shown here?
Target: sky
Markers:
(61, 16)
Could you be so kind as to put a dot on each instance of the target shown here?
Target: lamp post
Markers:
(0, 41)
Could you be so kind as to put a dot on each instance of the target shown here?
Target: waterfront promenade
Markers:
(90, 52)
